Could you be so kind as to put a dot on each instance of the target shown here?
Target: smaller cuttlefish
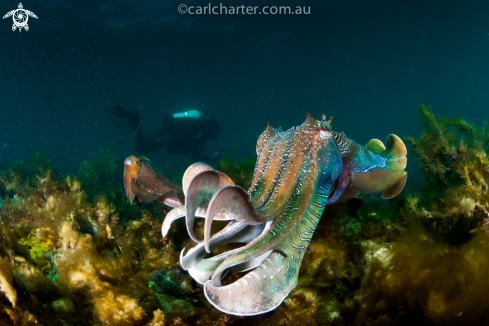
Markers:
(143, 183)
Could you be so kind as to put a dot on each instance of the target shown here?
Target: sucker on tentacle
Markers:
(297, 173)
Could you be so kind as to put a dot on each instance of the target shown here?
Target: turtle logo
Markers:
(20, 17)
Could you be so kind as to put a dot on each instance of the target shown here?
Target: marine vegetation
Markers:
(241, 172)
(435, 271)
(74, 251)
(297, 173)
(68, 260)
(453, 156)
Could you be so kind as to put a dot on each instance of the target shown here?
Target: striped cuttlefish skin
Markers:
(297, 173)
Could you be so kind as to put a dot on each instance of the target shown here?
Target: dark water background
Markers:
(367, 63)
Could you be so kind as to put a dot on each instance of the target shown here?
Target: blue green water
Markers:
(367, 63)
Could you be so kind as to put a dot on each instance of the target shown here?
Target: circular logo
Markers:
(20, 18)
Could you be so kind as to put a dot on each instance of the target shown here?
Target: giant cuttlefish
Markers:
(144, 183)
(297, 173)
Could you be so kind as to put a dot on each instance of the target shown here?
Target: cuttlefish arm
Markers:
(144, 184)
(179, 212)
(202, 269)
(200, 182)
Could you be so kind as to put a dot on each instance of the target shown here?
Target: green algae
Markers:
(241, 172)
(453, 157)
(99, 175)
(39, 252)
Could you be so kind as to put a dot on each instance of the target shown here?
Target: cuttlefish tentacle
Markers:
(179, 212)
(143, 183)
(234, 201)
(191, 172)
(201, 269)
(201, 187)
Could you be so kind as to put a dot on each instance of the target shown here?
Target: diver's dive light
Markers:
(188, 114)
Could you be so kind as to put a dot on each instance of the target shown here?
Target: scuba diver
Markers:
(182, 133)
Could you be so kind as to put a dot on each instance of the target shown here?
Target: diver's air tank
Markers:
(188, 114)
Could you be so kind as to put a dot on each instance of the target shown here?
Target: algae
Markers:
(453, 156)
(73, 251)
(241, 172)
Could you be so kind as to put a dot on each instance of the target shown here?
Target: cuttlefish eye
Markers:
(324, 133)
(129, 162)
